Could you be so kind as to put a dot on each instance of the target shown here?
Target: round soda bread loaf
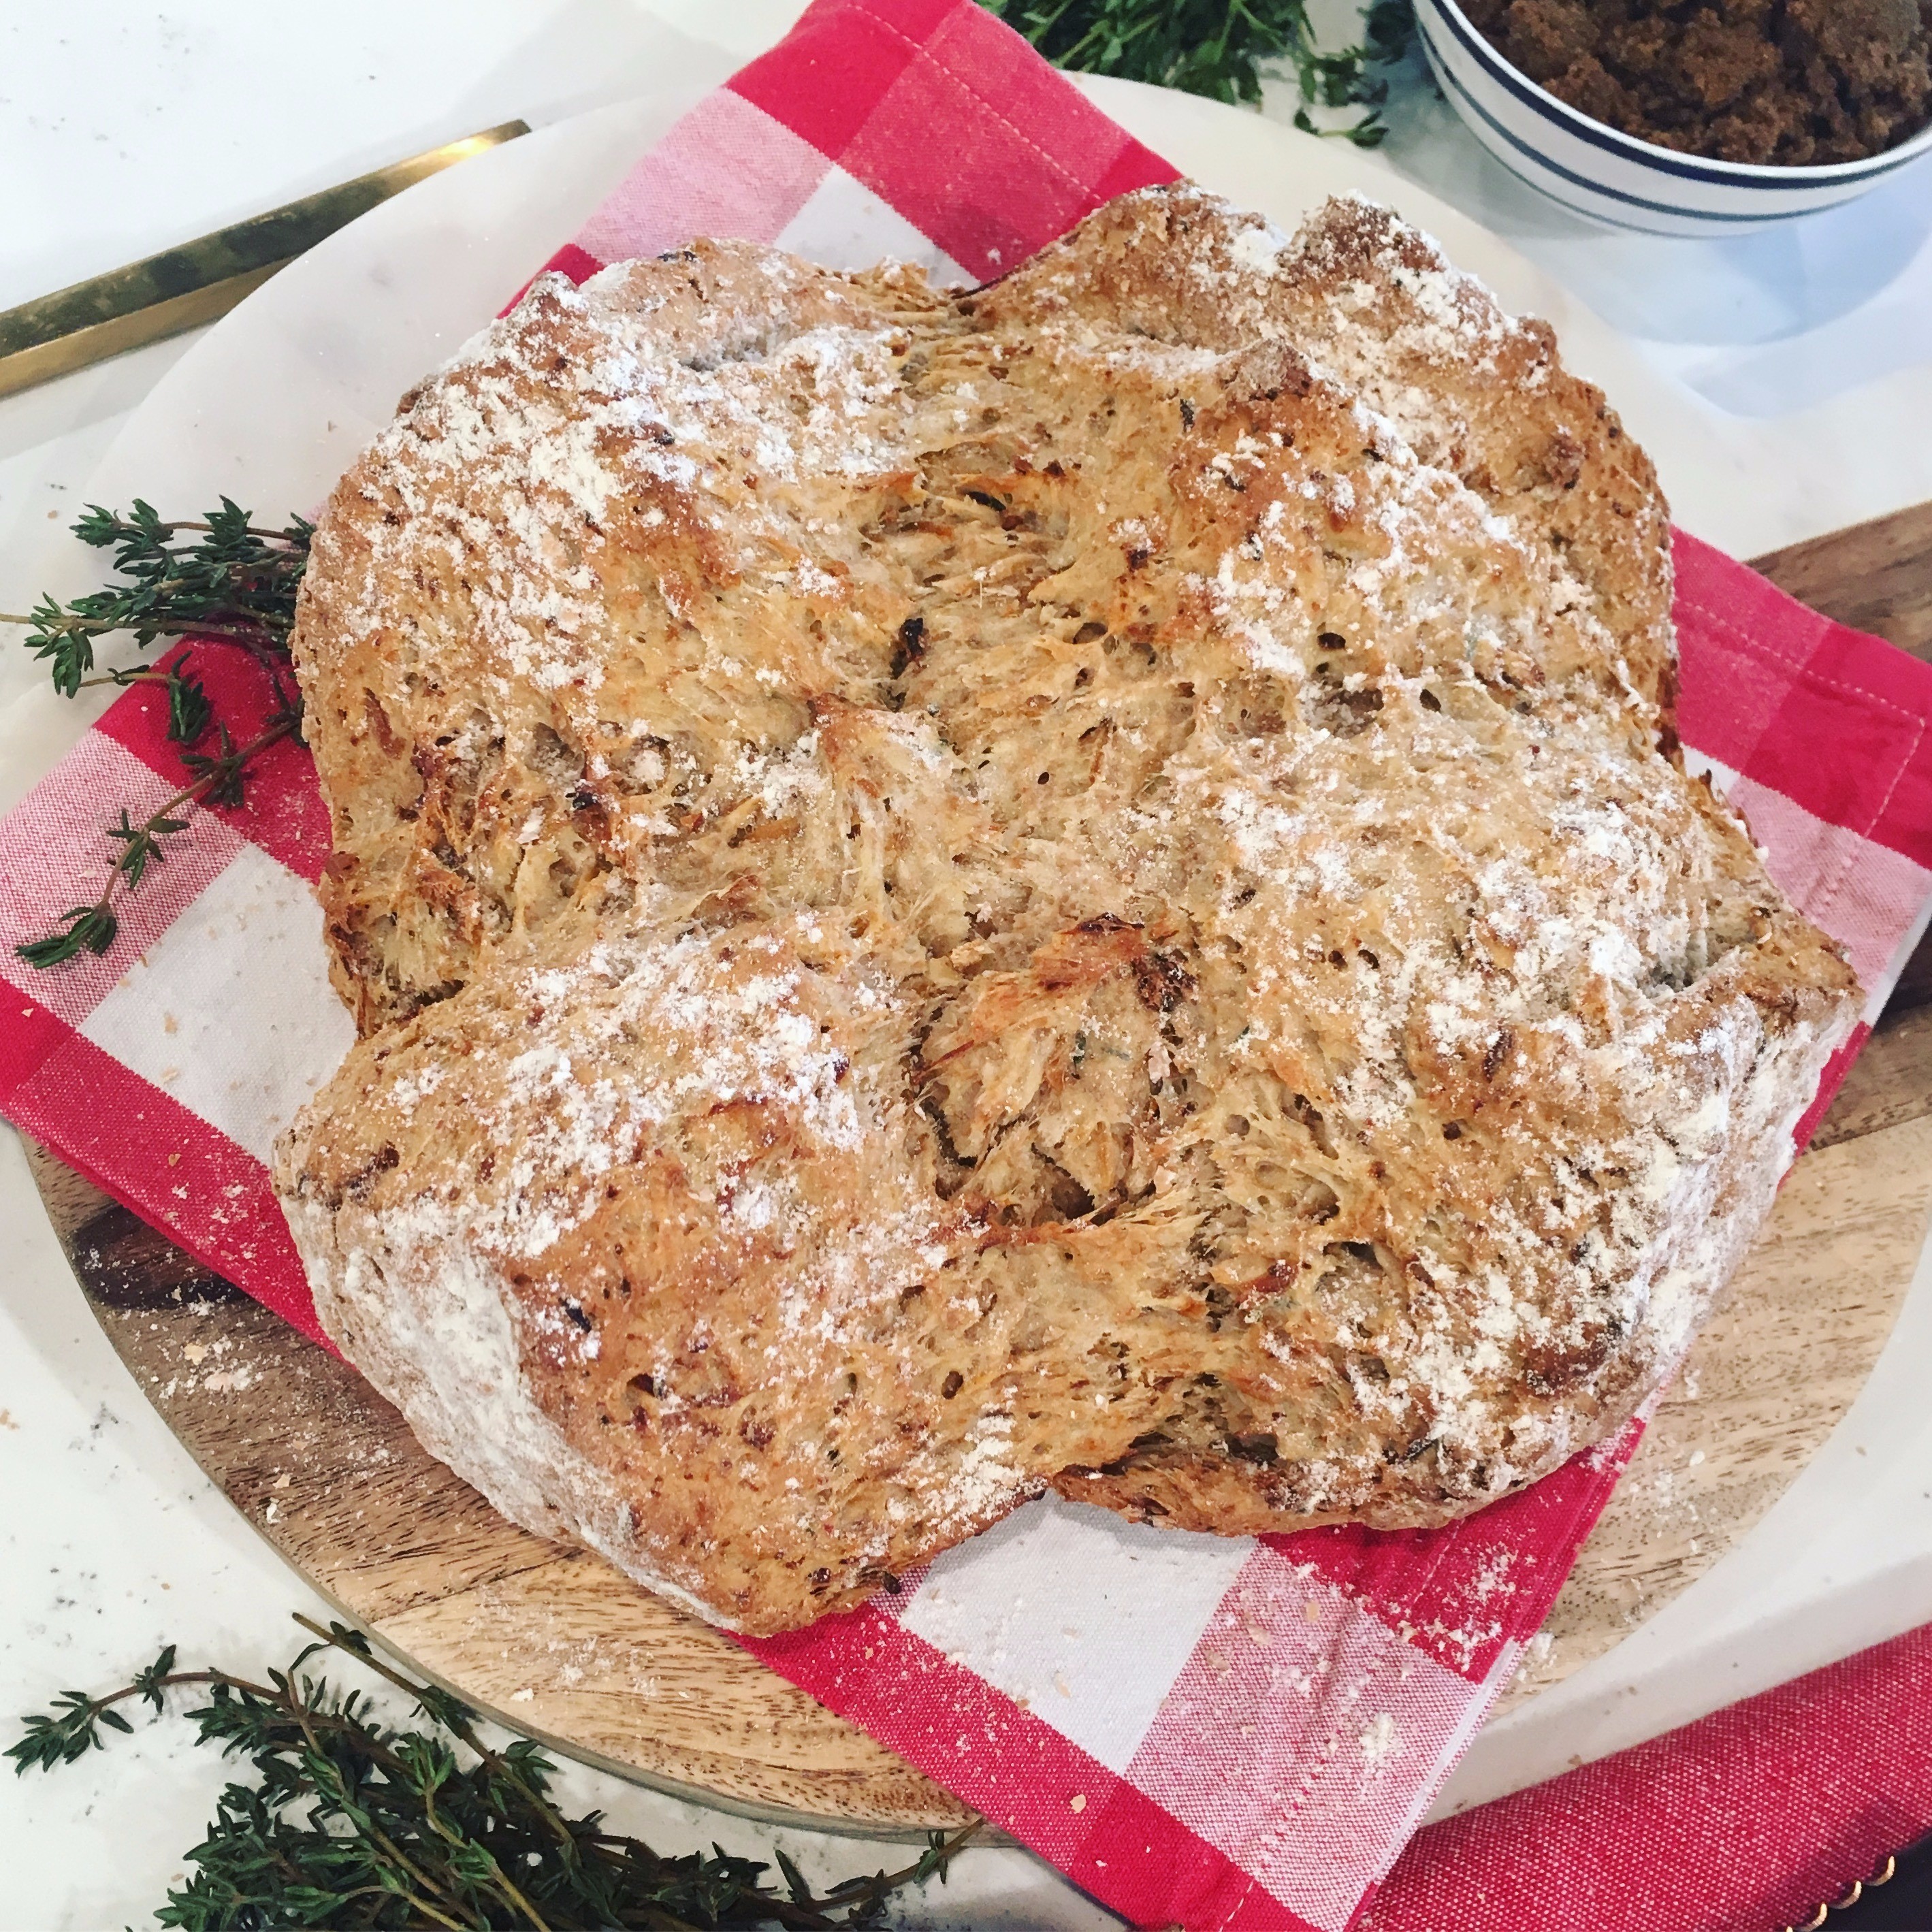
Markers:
(1083, 885)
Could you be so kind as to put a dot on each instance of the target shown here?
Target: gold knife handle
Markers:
(182, 288)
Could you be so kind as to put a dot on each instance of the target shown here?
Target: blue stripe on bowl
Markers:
(1675, 211)
(1730, 174)
(1681, 225)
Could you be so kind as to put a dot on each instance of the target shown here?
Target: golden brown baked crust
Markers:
(1082, 885)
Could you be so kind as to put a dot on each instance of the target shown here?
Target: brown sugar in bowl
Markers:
(1660, 185)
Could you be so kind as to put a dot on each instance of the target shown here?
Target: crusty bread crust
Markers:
(1082, 885)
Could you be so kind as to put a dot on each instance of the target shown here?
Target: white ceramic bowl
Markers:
(1612, 177)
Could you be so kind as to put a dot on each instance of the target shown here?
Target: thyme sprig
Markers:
(351, 1823)
(217, 780)
(231, 581)
(218, 580)
(1220, 47)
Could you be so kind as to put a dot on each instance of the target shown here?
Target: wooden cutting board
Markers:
(557, 1644)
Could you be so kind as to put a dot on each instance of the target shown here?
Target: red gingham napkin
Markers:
(1228, 1733)
(1743, 1822)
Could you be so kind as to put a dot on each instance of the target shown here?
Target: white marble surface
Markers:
(1806, 355)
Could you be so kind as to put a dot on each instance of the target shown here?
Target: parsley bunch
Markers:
(351, 1823)
(1219, 47)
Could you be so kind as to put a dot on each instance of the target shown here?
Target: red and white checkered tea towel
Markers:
(1227, 1733)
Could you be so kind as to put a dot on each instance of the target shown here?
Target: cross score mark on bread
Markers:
(1083, 885)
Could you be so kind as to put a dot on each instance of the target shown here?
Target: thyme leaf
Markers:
(89, 928)
(189, 710)
(351, 1823)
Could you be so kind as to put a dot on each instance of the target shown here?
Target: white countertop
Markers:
(1807, 351)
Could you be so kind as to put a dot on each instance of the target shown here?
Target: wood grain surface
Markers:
(559, 1645)
(1875, 576)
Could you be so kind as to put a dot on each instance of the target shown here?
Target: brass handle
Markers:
(182, 288)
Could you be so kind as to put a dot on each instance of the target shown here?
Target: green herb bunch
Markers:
(351, 1823)
(1219, 47)
(220, 583)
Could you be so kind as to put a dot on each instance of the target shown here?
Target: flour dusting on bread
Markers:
(1085, 884)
